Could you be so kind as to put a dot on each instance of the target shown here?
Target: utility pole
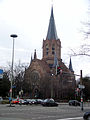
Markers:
(81, 90)
(13, 36)
(52, 75)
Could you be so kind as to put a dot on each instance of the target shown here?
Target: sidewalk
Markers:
(2, 118)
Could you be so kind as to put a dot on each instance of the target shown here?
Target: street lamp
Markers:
(13, 36)
(52, 85)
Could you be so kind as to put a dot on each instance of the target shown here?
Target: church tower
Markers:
(52, 45)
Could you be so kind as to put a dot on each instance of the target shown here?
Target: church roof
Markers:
(52, 33)
(38, 64)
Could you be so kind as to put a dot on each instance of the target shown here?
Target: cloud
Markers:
(29, 19)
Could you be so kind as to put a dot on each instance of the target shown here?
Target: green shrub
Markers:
(5, 102)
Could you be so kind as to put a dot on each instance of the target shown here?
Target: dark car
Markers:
(86, 116)
(74, 103)
(49, 103)
(39, 101)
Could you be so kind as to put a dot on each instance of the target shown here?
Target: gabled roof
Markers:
(52, 33)
(38, 64)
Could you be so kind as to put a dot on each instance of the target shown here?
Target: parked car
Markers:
(86, 116)
(21, 101)
(39, 101)
(49, 103)
(74, 103)
(33, 101)
(15, 101)
(27, 102)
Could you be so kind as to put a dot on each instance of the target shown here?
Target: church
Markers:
(42, 74)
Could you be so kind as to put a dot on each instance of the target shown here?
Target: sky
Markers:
(29, 19)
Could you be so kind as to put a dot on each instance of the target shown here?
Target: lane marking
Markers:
(71, 118)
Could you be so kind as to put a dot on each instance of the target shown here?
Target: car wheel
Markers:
(88, 118)
(69, 104)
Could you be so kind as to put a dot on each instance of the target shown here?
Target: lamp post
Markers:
(51, 82)
(13, 36)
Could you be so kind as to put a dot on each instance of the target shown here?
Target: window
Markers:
(46, 53)
(50, 65)
(34, 77)
(53, 52)
(53, 49)
(47, 49)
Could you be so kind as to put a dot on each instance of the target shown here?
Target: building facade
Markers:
(41, 75)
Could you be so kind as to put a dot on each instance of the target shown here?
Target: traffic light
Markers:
(58, 71)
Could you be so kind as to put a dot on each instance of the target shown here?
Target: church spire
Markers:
(35, 55)
(31, 59)
(70, 66)
(52, 33)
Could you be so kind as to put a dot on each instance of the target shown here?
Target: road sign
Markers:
(13, 86)
(81, 86)
(10, 90)
(1, 73)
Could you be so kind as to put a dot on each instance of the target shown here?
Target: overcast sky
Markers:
(29, 19)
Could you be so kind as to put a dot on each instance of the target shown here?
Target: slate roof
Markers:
(52, 33)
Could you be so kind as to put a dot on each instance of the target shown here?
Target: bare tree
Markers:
(84, 48)
(18, 72)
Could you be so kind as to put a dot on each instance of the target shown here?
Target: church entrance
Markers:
(36, 93)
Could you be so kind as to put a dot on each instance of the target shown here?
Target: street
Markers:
(38, 112)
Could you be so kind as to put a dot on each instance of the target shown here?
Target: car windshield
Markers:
(49, 100)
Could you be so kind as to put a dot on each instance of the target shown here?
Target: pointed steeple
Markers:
(52, 33)
(70, 66)
(55, 60)
(31, 59)
(35, 55)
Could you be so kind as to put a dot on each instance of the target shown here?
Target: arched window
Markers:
(34, 77)
(53, 49)
(47, 49)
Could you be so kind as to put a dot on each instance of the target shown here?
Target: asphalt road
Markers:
(38, 112)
